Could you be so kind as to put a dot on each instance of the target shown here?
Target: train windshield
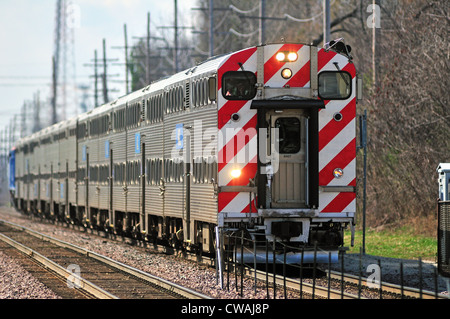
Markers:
(335, 85)
(239, 85)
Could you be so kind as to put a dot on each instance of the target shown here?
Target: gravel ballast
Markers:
(17, 283)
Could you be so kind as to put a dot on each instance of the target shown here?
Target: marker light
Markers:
(286, 73)
(235, 173)
(280, 56)
(338, 172)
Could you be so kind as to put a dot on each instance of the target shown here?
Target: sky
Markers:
(27, 40)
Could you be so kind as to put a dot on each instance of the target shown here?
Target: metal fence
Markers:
(278, 270)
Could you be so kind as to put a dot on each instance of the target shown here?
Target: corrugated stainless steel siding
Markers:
(203, 120)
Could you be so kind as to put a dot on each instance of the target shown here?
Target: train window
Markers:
(159, 167)
(137, 176)
(154, 107)
(194, 93)
(160, 108)
(174, 100)
(202, 92)
(181, 93)
(239, 85)
(289, 135)
(205, 91)
(177, 99)
(335, 85)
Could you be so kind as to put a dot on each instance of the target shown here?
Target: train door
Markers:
(187, 179)
(143, 179)
(51, 206)
(66, 192)
(87, 180)
(38, 204)
(288, 148)
(111, 215)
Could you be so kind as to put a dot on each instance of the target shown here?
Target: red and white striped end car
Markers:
(287, 146)
(262, 140)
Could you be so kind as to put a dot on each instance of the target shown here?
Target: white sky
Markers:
(27, 43)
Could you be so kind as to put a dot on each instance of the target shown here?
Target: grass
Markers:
(394, 243)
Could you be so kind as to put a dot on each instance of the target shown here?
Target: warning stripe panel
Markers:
(231, 64)
(341, 133)
(339, 203)
(302, 77)
(299, 75)
(341, 160)
(235, 144)
(272, 65)
(333, 127)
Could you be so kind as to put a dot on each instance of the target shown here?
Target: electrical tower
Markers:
(64, 100)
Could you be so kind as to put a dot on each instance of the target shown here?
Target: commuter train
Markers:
(263, 139)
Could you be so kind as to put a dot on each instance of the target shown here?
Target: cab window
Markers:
(239, 85)
(335, 85)
(289, 138)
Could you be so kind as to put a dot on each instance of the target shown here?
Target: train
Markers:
(261, 140)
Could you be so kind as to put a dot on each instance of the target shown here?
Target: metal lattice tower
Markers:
(64, 103)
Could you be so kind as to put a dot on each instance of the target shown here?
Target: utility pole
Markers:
(262, 22)
(54, 87)
(36, 111)
(105, 82)
(211, 28)
(176, 37)
(326, 21)
(375, 38)
(176, 48)
(96, 76)
(127, 86)
(147, 69)
(23, 120)
(95, 79)
(146, 57)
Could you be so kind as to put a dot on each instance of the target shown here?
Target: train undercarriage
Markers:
(290, 241)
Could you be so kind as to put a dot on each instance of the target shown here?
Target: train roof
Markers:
(206, 67)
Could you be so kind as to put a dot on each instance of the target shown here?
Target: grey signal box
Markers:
(444, 181)
(444, 220)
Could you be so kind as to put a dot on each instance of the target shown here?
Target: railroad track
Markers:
(394, 290)
(90, 273)
(331, 287)
(353, 287)
(334, 285)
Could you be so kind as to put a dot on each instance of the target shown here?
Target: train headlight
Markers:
(286, 73)
(281, 56)
(338, 172)
(284, 56)
(235, 173)
(292, 56)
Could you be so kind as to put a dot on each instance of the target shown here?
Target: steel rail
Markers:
(308, 288)
(48, 264)
(160, 282)
(389, 287)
